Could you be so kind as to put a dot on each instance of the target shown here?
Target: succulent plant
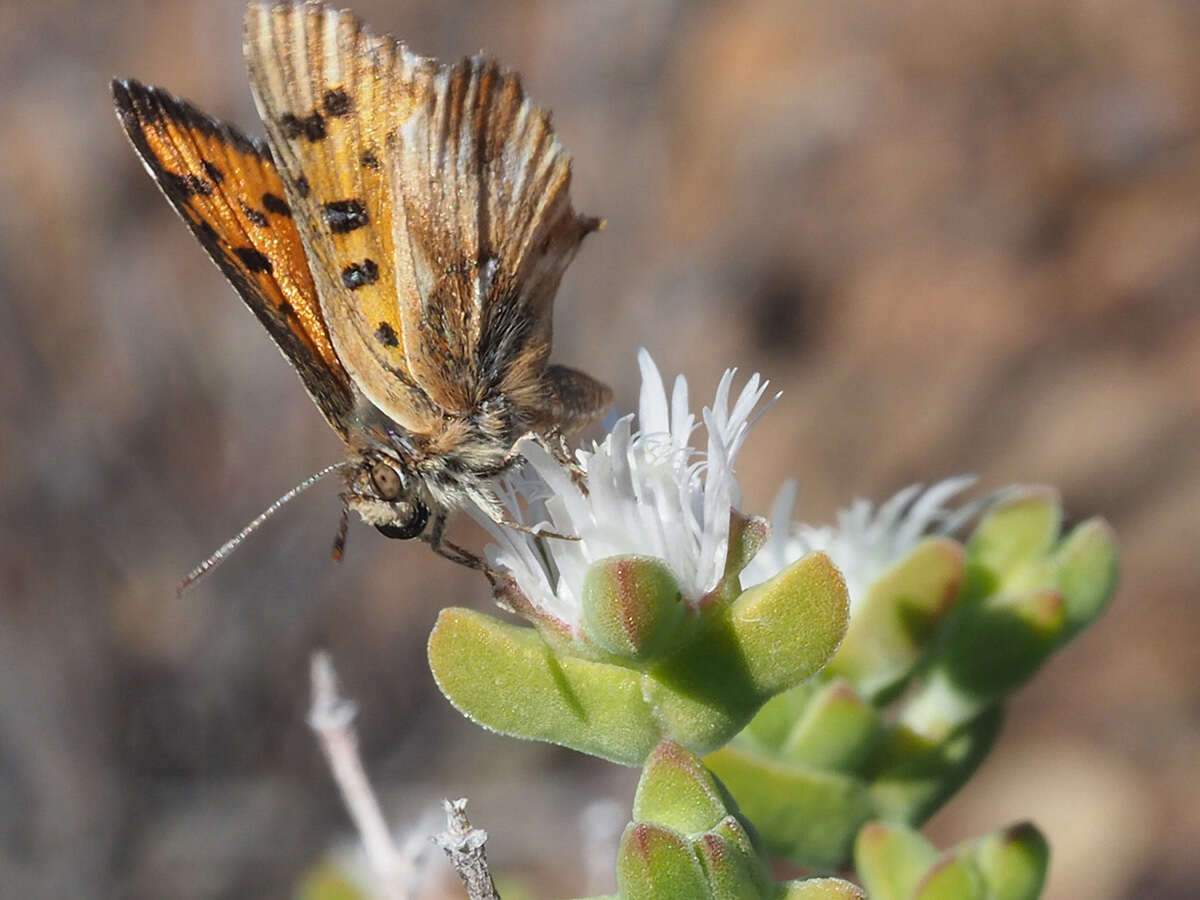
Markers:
(688, 841)
(644, 666)
(895, 863)
(913, 700)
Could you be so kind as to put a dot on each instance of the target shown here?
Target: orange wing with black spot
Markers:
(448, 186)
(329, 92)
(227, 189)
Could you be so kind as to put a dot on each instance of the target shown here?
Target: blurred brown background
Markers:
(959, 236)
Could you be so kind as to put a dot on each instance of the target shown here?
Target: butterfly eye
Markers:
(386, 480)
(410, 521)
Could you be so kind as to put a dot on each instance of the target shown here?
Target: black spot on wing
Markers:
(253, 260)
(213, 172)
(184, 186)
(275, 204)
(286, 308)
(254, 215)
(310, 127)
(360, 274)
(336, 102)
(342, 216)
(386, 335)
(153, 120)
(370, 160)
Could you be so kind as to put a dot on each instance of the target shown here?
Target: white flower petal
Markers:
(653, 415)
(682, 420)
(866, 541)
(649, 491)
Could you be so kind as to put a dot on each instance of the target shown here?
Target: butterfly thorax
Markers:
(397, 479)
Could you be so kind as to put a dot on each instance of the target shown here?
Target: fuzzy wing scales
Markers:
(483, 231)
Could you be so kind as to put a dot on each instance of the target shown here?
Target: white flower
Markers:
(865, 542)
(649, 492)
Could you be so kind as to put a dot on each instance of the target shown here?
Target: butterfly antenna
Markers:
(232, 544)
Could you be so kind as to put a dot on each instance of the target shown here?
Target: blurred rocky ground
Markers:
(958, 236)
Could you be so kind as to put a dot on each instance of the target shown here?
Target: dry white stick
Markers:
(332, 718)
(464, 845)
(601, 824)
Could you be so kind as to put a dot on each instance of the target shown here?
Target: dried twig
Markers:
(464, 845)
(600, 825)
(332, 718)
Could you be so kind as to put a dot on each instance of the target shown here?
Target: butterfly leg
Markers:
(554, 443)
(489, 504)
(504, 589)
(435, 537)
(339, 539)
(508, 522)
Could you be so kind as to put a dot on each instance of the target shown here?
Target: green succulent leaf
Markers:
(935, 646)
(656, 863)
(911, 775)
(1012, 862)
(677, 791)
(1087, 564)
(837, 731)
(770, 727)
(747, 534)
(507, 679)
(820, 889)
(1016, 531)
(1027, 594)
(730, 871)
(789, 627)
(896, 863)
(681, 803)
(894, 623)
(951, 878)
(997, 645)
(806, 815)
(891, 859)
(741, 839)
(328, 881)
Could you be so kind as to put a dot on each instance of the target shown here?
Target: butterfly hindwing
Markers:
(328, 92)
(484, 230)
(569, 400)
(227, 189)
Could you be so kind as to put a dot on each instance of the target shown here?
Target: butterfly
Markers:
(401, 235)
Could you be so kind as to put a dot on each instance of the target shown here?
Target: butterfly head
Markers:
(387, 496)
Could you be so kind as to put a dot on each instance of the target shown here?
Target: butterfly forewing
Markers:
(328, 93)
(227, 189)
